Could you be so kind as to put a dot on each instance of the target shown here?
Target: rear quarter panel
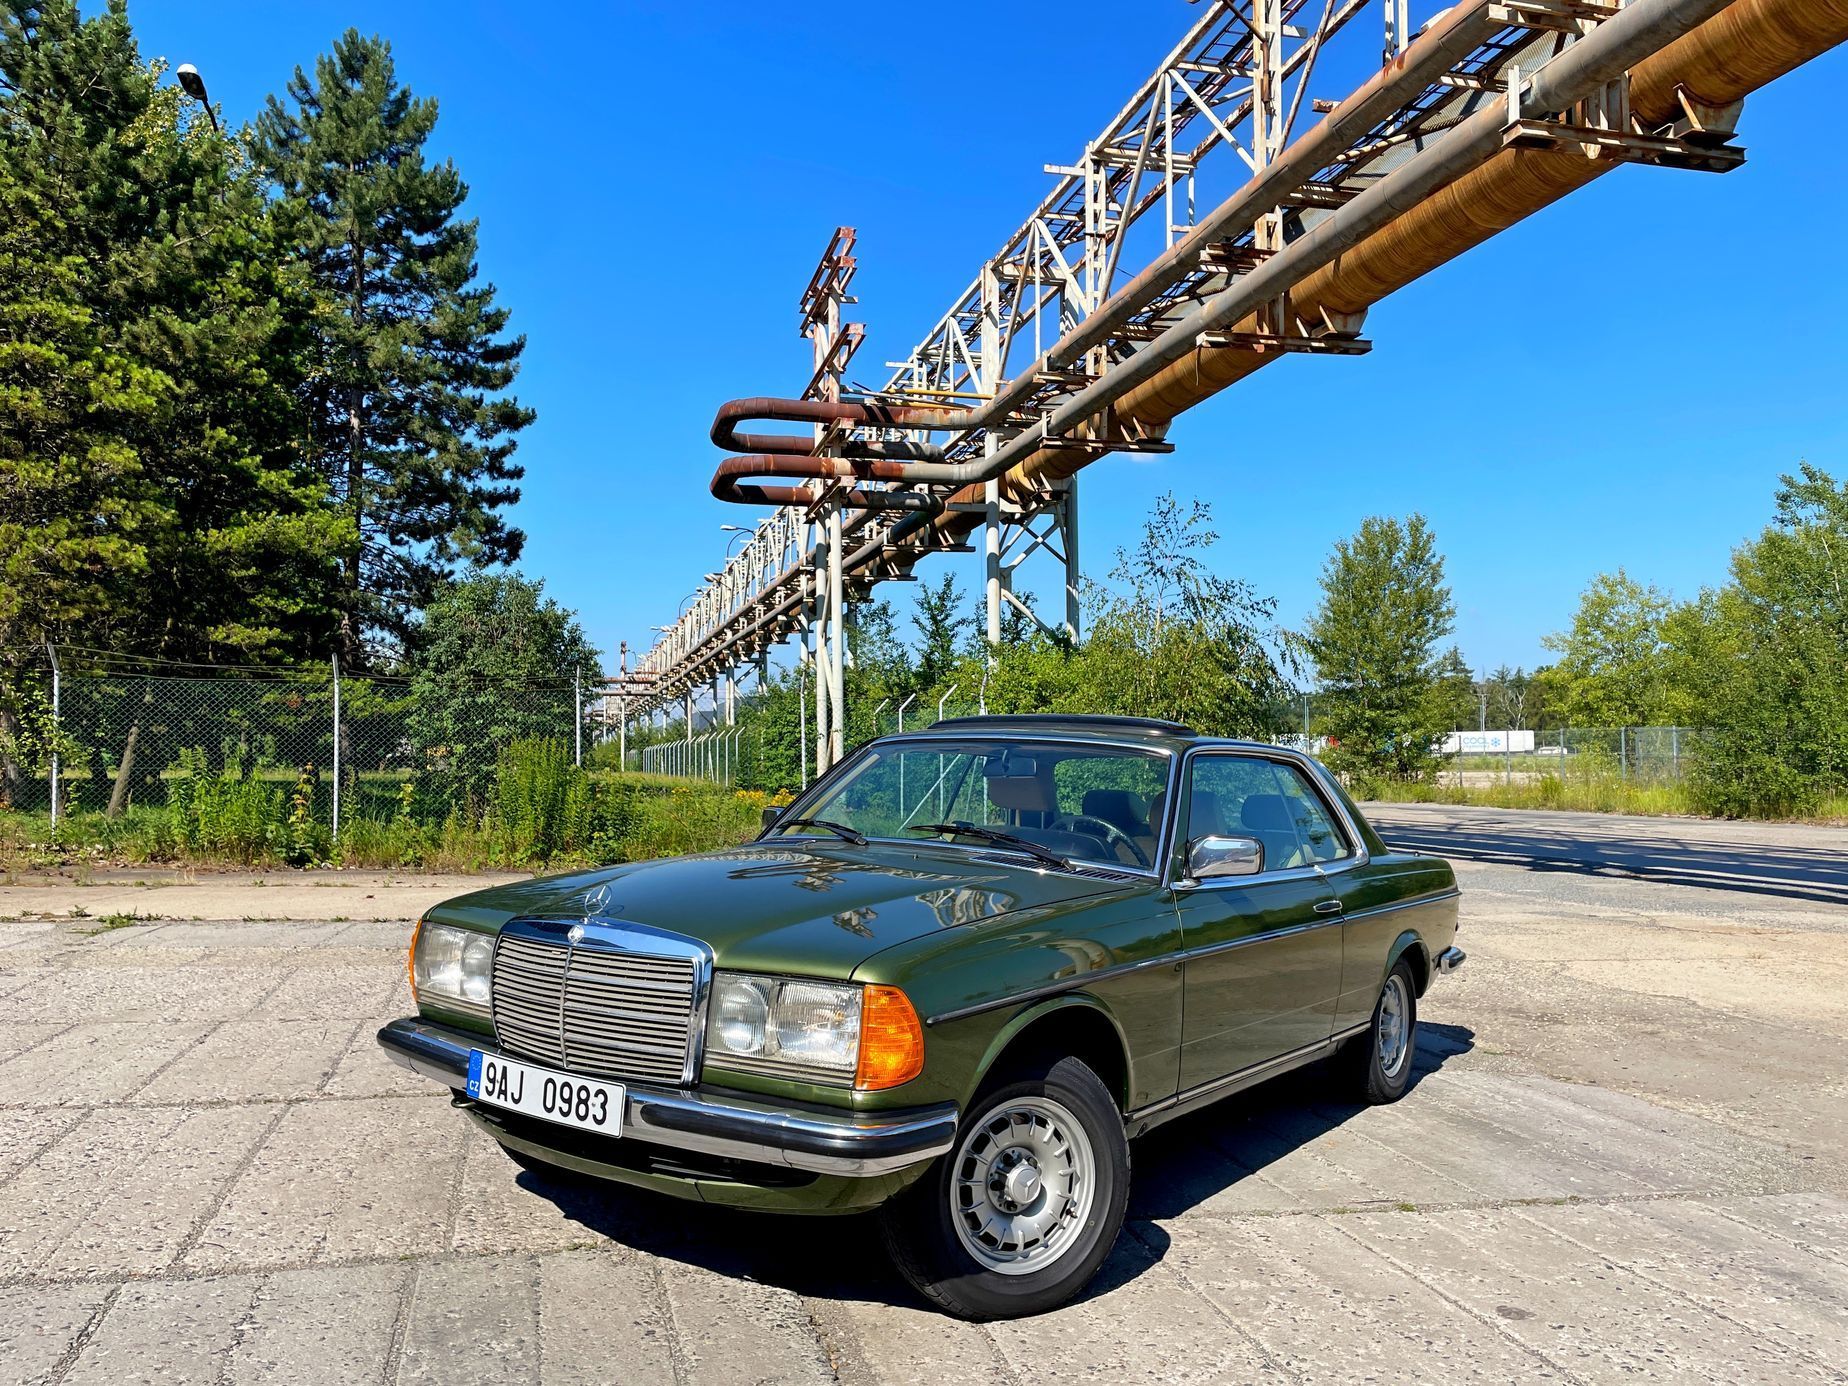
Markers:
(1394, 903)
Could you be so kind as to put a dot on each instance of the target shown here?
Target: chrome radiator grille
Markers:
(596, 1010)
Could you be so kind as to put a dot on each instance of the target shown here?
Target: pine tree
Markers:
(407, 412)
(155, 500)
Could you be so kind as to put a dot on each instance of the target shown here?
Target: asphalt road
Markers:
(1795, 861)
(1625, 1158)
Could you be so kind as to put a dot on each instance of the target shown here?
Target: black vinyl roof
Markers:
(1056, 721)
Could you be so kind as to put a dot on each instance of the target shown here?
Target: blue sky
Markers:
(1617, 381)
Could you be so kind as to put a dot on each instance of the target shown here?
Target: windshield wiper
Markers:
(840, 830)
(1032, 849)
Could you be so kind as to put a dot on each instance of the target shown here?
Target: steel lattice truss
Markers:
(1111, 259)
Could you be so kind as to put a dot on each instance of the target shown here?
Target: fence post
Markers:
(577, 715)
(1623, 753)
(56, 727)
(1674, 752)
(336, 814)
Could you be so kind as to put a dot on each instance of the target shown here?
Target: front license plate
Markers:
(586, 1103)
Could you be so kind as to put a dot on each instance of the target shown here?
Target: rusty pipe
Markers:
(1444, 42)
(1617, 44)
(815, 411)
(1743, 47)
(728, 482)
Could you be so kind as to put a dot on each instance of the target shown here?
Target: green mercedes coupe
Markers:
(953, 980)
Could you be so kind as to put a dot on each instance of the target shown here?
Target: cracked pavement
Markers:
(1625, 1158)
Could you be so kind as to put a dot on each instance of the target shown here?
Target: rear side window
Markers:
(1248, 796)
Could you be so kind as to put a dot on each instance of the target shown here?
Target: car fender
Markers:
(1032, 1014)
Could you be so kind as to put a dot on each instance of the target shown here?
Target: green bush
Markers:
(223, 815)
(541, 801)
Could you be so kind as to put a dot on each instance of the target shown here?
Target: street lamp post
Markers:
(194, 86)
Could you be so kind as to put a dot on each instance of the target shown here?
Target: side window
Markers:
(1248, 796)
(1321, 839)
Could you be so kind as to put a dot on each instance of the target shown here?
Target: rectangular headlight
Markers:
(452, 967)
(785, 1026)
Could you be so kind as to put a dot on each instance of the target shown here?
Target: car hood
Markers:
(813, 908)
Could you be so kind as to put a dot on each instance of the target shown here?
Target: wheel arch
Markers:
(1075, 1024)
(1411, 947)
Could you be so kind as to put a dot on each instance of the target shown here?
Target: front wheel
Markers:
(1020, 1214)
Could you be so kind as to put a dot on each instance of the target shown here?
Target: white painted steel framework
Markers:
(1056, 310)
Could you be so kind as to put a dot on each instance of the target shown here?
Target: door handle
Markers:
(1328, 907)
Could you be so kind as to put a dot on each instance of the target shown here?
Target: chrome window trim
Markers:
(603, 934)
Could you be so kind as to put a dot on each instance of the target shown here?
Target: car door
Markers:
(1261, 966)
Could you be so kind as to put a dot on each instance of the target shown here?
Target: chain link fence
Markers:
(1633, 755)
(106, 733)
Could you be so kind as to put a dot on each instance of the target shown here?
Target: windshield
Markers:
(1069, 800)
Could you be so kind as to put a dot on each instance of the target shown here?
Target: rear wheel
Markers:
(1018, 1217)
(1381, 1059)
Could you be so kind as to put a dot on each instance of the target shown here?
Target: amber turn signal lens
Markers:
(891, 1040)
(410, 960)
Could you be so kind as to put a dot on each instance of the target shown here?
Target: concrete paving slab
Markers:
(253, 1060)
(103, 1061)
(342, 990)
(504, 1208)
(1191, 1165)
(603, 1318)
(363, 1070)
(1589, 1315)
(1816, 1222)
(1709, 1158)
(1733, 1269)
(1141, 1323)
(147, 1176)
(219, 936)
(475, 1320)
(17, 1036)
(162, 1332)
(322, 1327)
(1333, 1313)
(27, 1130)
(38, 1324)
(734, 1332)
(150, 994)
(340, 1181)
(875, 1343)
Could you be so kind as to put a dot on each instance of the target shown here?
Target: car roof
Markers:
(1150, 731)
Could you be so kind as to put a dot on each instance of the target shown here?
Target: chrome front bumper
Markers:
(816, 1139)
(1450, 959)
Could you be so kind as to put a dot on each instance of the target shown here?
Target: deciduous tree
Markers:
(1374, 641)
(495, 661)
(1611, 669)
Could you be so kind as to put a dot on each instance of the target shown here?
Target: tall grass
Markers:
(544, 812)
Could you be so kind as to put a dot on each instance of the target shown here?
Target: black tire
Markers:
(920, 1226)
(1373, 1077)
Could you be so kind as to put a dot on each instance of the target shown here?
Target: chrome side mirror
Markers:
(1209, 858)
(771, 814)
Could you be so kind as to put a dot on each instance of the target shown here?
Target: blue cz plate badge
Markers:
(589, 1104)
